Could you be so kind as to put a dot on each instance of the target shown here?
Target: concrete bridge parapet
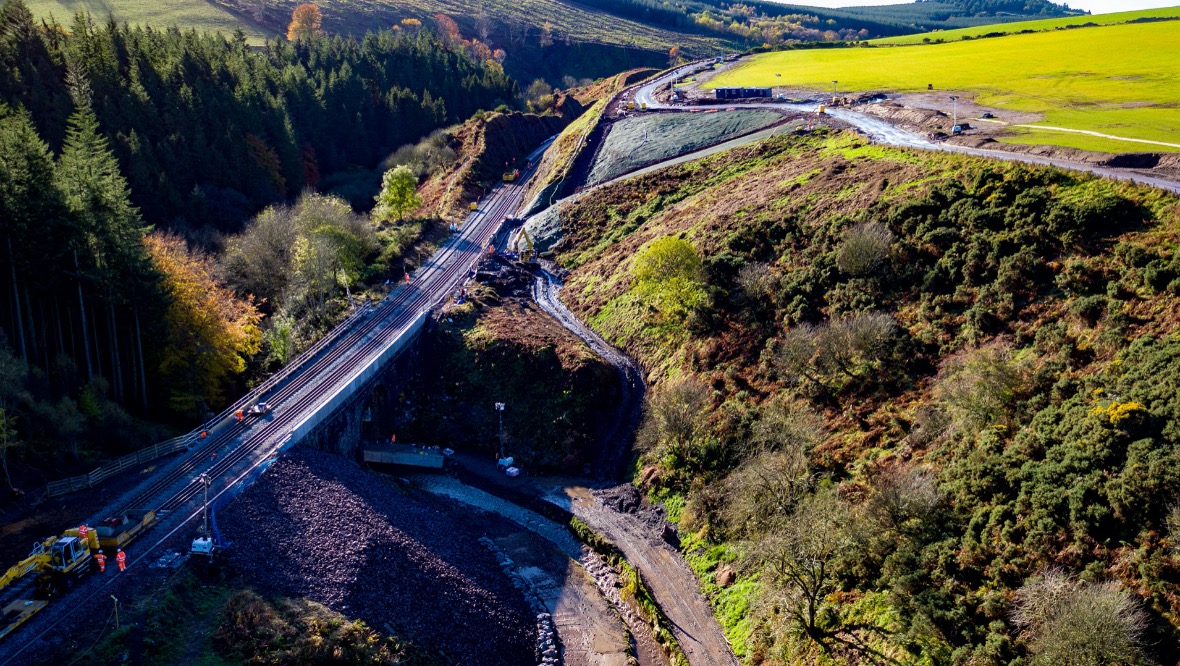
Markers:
(364, 409)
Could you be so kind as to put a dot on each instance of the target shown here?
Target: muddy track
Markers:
(674, 586)
(617, 440)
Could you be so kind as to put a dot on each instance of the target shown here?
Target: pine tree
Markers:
(109, 256)
(31, 209)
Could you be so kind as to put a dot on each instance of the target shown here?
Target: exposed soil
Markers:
(498, 346)
(318, 526)
(485, 147)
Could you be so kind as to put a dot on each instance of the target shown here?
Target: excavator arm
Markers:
(37, 559)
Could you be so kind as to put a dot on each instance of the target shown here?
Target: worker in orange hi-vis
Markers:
(102, 561)
(121, 560)
(82, 532)
(239, 415)
(407, 277)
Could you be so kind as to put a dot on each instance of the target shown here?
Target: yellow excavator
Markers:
(55, 564)
(57, 561)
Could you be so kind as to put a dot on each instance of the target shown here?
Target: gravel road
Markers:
(319, 526)
(672, 584)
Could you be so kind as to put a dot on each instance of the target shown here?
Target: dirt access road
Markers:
(882, 131)
(638, 534)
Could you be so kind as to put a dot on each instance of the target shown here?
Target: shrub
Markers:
(864, 249)
(1079, 624)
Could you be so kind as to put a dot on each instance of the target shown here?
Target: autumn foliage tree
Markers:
(211, 330)
(305, 22)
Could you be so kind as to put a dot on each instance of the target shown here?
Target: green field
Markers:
(1038, 25)
(201, 15)
(1134, 91)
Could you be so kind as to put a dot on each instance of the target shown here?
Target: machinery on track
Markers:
(56, 564)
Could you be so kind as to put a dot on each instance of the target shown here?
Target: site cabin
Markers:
(406, 455)
(741, 93)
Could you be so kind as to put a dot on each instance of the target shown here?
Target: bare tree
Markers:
(786, 424)
(977, 388)
(864, 249)
(674, 417)
(798, 562)
(1073, 623)
(793, 354)
(903, 493)
(764, 490)
(851, 342)
(756, 280)
(483, 25)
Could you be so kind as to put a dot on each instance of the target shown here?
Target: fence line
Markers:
(183, 442)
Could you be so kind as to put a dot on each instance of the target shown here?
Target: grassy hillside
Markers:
(1132, 95)
(992, 30)
(200, 15)
(557, 38)
(892, 390)
(540, 38)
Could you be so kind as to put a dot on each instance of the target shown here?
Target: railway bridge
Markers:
(321, 398)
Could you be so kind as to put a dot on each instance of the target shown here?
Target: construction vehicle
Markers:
(259, 409)
(511, 176)
(114, 533)
(55, 564)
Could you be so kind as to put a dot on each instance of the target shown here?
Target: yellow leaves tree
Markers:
(412, 25)
(211, 330)
(305, 22)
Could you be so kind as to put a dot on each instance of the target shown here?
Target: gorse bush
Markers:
(934, 381)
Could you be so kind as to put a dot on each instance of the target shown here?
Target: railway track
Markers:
(296, 394)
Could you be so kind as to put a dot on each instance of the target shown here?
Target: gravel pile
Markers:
(318, 526)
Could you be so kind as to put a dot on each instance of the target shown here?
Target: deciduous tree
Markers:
(211, 330)
(305, 22)
(399, 194)
(670, 275)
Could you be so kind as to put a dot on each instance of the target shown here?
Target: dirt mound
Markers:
(318, 526)
(486, 147)
(626, 498)
(916, 119)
